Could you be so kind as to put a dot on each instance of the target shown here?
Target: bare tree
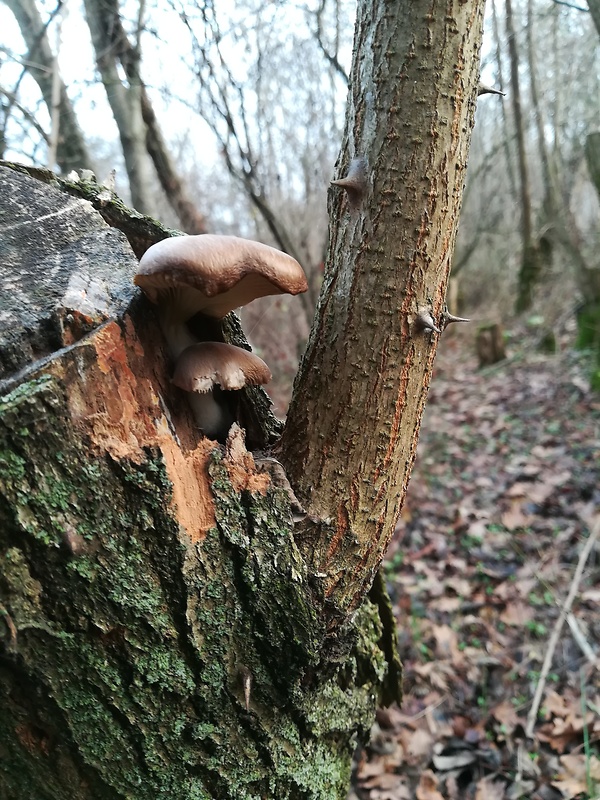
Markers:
(530, 260)
(125, 97)
(71, 148)
(139, 130)
(278, 147)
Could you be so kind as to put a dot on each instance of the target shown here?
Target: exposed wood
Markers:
(145, 569)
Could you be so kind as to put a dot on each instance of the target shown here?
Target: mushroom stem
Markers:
(174, 329)
(214, 419)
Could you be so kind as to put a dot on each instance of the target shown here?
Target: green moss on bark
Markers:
(125, 645)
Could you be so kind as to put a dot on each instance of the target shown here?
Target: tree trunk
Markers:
(71, 150)
(506, 136)
(146, 573)
(125, 100)
(594, 7)
(588, 314)
(190, 218)
(490, 344)
(167, 631)
(530, 261)
(351, 434)
(592, 157)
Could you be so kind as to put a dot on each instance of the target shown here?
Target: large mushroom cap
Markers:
(216, 274)
(205, 365)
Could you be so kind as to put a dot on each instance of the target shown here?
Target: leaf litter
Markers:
(504, 493)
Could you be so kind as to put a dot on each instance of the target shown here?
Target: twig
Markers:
(571, 5)
(580, 639)
(539, 691)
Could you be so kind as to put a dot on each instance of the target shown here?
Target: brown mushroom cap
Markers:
(204, 365)
(216, 274)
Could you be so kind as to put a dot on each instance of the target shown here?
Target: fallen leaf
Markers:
(427, 788)
(490, 789)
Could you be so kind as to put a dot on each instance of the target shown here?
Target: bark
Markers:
(506, 137)
(351, 433)
(71, 151)
(592, 157)
(43, 308)
(558, 223)
(588, 315)
(135, 117)
(490, 344)
(560, 228)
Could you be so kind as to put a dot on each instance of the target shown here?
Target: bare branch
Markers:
(331, 57)
(571, 5)
(539, 691)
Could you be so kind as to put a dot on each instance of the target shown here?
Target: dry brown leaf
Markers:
(506, 715)
(518, 489)
(571, 781)
(420, 745)
(573, 765)
(446, 643)
(427, 788)
(371, 769)
(490, 789)
(386, 780)
(514, 517)
(461, 586)
(556, 704)
(399, 793)
(563, 732)
(517, 614)
(447, 605)
(570, 787)
(436, 672)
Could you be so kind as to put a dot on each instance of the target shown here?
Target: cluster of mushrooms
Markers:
(212, 275)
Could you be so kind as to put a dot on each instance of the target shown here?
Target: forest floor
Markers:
(504, 494)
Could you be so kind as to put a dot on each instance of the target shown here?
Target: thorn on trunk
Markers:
(355, 182)
(483, 89)
(448, 319)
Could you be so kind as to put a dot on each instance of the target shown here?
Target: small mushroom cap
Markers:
(204, 365)
(216, 274)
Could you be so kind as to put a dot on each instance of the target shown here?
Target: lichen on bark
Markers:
(133, 641)
(144, 571)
